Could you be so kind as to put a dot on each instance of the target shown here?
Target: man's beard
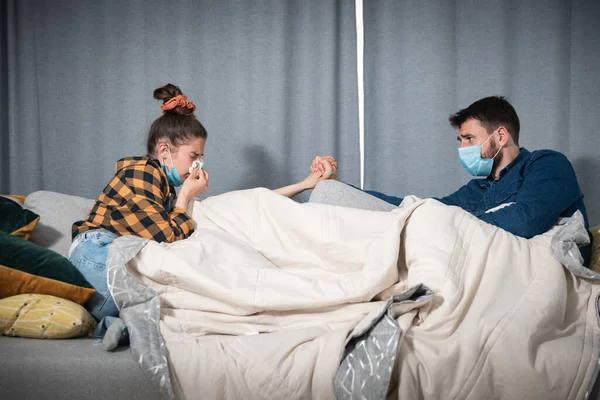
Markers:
(494, 147)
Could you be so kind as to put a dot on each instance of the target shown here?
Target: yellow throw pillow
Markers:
(595, 261)
(18, 282)
(42, 316)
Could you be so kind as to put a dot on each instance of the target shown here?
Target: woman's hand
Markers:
(196, 183)
(320, 164)
(322, 168)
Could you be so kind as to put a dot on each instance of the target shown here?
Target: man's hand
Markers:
(321, 163)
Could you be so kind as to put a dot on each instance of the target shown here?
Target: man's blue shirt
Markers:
(537, 188)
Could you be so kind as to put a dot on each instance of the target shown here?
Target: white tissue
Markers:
(195, 164)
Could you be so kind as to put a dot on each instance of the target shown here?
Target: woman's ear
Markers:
(162, 150)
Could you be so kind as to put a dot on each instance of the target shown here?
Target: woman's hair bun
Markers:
(169, 91)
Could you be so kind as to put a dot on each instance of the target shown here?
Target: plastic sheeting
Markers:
(140, 310)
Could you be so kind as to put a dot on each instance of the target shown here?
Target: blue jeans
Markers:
(88, 255)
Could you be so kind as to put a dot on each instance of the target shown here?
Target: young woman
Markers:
(140, 198)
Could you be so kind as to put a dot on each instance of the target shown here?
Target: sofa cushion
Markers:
(35, 369)
(16, 282)
(16, 220)
(57, 213)
(29, 257)
(16, 197)
(43, 316)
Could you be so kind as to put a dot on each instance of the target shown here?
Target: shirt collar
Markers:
(523, 153)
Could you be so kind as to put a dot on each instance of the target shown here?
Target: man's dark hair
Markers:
(492, 112)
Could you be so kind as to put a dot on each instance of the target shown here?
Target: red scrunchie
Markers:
(178, 101)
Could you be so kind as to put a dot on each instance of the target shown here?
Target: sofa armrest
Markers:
(57, 213)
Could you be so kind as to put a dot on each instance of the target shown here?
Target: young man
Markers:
(522, 192)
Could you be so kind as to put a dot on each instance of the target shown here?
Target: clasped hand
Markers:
(322, 168)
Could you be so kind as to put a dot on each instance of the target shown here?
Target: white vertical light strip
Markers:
(360, 45)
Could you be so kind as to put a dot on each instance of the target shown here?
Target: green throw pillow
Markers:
(25, 256)
(15, 219)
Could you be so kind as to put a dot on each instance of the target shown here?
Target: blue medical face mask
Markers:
(470, 158)
(172, 174)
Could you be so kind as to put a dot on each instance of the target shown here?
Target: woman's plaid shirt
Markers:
(137, 201)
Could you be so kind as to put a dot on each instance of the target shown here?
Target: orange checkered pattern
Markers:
(137, 201)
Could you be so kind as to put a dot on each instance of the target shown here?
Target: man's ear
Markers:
(503, 136)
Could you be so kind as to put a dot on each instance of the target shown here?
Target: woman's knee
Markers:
(325, 189)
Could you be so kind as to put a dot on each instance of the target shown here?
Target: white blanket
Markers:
(259, 302)
(508, 321)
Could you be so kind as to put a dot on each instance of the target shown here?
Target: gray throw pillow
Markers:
(57, 213)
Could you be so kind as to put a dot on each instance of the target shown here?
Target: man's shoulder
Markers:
(547, 159)
(551, 161)
(547, 155)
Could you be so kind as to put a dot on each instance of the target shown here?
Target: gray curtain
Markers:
(427, 59)
(274, 82)
(4, 164)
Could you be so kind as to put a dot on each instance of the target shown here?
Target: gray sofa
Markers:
(71, 368)
(65, 369)
(78, 368)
